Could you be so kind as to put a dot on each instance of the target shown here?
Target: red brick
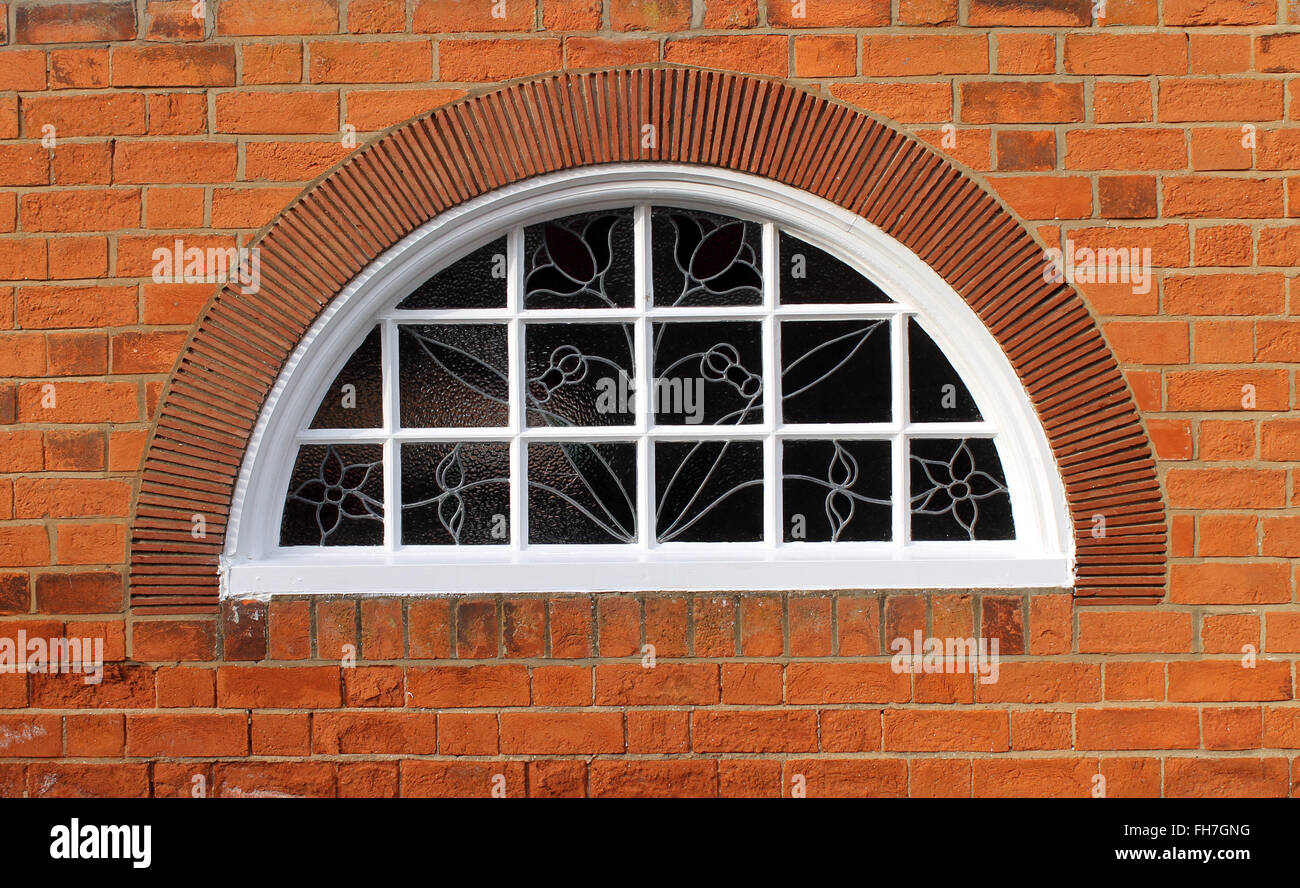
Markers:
(295, 687)
(668, 684)
(847, 778)
(905, 102)
(557, 778)
(423, 779)
(443, 687)
(115, 114)
(830, 55)
(275, 779)
(272, 63)
(560, 733)
(523, 627)
(450, 16)
(466, 733)
(1029, 13)
(750, 731)
(658, 731)
(81, 210)
(1021, 102)
(154, 640)
(1225, 778)
(1212, 99)
(619, 625)
(97, 735)
(277, 112)
(1131, 632)
(370, 62)
(910, 56)
(1175, 728)
(653, 779)
(79, 781)
(830, 14)
(1229, 680)
(752, 53)
(170, 162)
(187, 65)
(493, 59)
(1130, 53)
(946, 730)
(562, 686)
(75, 22)
(374, 733)
(187, 734)
(1230, 583)
(250, 18)
(571, 627)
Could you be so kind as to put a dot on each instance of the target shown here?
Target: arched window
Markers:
(635, 377)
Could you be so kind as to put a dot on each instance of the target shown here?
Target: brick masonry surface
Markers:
(1169, 125)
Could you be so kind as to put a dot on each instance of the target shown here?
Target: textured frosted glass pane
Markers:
(810, 275)
(836, 491)
(704, 259)
(453, 375)
(582, 493)
(708, 491)
(355, 399)
(959, 491)
(579, 374)
(937, 393)
(475, 281)
(708, 372)
(456, 494)
(582, 261)
(335, 496)
(835, 371)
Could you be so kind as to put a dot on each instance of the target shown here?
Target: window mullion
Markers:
(643, 386)
(392, 453)
(516, 417)
(771, 392)
(901, 484)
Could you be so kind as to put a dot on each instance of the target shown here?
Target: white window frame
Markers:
(1041, 555)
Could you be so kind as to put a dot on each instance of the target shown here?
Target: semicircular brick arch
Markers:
(743, 123)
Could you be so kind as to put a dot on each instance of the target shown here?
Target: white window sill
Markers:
(804, 567)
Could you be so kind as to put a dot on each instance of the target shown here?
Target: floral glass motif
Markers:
(336, 497)
(959, 491)
(805, 409)
(582, 261)
(703, 259)
(575, 372)
(708, 372)
(456, 494)
(836, 490)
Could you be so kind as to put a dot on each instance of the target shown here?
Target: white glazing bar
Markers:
(642, 386)
(812, 312)
(392, 456)
(771, 390)
(518, 497)
(848, 431)
(900, 481)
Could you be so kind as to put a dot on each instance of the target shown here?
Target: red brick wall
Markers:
(1167, 126)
